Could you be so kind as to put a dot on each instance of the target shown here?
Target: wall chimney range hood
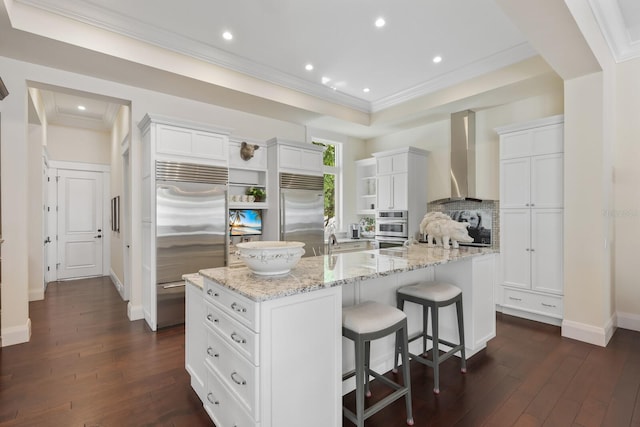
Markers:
(463, 157)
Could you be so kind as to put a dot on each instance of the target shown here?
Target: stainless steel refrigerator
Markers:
(191, 230)
(302, 211)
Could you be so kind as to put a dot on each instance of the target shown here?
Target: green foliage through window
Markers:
(329, 159)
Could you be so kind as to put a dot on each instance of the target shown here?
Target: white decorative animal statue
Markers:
(443, 230)
(431, 216)
(247, 150)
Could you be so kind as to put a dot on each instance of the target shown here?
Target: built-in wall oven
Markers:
(391, 228)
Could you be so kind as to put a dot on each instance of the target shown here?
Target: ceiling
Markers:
(273, 40)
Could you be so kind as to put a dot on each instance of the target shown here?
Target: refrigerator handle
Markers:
(281, 215)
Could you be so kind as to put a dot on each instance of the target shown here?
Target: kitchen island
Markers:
(268, 351)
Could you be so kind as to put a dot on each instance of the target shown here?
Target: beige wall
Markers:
(78, 145)
(627, 191)
(586, 283)
(435, 138)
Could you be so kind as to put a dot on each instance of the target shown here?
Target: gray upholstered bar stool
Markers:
(433, 295)
(363, 323)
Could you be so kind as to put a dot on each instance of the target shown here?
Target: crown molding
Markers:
(491, 63)
(609, 18)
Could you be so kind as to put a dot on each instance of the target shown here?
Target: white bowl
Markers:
(270, 257)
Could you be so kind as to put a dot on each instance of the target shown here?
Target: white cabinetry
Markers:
(296, 157)
(366, 186)
(254, 350)
(531, 219)
(195, 339)
(402, 183)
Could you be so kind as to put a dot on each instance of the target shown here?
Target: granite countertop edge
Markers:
(315, 273)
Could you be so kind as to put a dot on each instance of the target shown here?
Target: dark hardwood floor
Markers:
(87, 365)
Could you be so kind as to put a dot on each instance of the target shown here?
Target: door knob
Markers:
(99, 236)
(48, 240)
(99, 230)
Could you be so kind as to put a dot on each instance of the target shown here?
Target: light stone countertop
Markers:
(195, 279)
(318, 272)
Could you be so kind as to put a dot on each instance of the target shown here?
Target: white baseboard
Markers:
(628, 321)
(36, 294)
(588, 333)
(16, 334)
(529, 316)
(117, 283)
(134, 312)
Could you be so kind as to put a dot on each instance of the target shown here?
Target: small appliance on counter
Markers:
(354, 231)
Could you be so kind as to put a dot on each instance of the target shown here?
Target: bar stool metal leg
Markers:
(463, 358)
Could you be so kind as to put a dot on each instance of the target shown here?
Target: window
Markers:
(332, 182)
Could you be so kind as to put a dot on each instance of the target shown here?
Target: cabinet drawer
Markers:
(244, 340)
(222, 407)
(238, 374)
(548, 305)
(236, 306)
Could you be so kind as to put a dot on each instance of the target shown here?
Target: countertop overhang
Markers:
(313, 273)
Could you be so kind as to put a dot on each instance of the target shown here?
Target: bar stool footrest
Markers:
(376, 407)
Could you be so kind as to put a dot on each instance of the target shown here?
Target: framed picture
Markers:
(115, 214)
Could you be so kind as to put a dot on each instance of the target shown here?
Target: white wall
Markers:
(78, 145)
(435, 138)
(36, 214)
(627, 194)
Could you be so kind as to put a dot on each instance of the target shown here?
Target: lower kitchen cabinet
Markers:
(195, 338)
(351, 246)
(274, 363)
(532, 253)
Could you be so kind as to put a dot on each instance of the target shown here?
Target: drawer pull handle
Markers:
(211, 319)
(211, 399)
(515, 299)
(548, 305)
(235, 376)
(211, 353)
(237, 338)
(238, 308)
(211, 293)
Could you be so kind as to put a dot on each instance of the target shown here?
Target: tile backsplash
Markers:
(490, 209)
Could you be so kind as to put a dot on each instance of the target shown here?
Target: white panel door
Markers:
(547, 250)
(547, 176)
(80, 228)
(515, 182)
(515, 247)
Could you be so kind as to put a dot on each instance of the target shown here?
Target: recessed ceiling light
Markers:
(81, 107)
(325, 80)
(437, 59)
(366, 90)
(380, 22)
(308, 67)
(227, 35)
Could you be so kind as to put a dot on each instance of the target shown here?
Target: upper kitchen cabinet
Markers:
(532, 165)
(181, 140)
(401, 179)
(297, 157)
(366, 187)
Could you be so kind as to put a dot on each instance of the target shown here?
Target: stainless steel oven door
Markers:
(392, 215)
(392, 228)
(389, 242)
